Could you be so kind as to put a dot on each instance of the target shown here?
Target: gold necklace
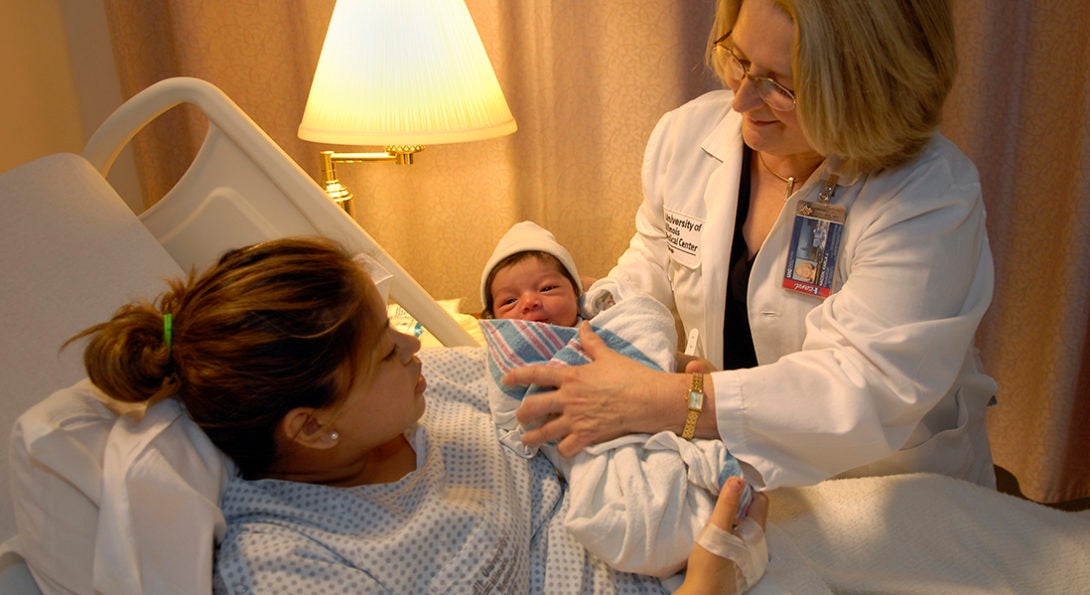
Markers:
(790, 180)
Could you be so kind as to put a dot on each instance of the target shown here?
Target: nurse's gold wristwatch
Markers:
(695, 400)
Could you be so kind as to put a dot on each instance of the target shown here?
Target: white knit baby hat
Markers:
(522, 237)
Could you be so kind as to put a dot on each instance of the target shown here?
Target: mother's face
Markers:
(763, 38)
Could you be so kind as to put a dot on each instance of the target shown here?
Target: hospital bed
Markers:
(72, 252)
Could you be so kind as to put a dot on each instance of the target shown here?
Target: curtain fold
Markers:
(587, 81)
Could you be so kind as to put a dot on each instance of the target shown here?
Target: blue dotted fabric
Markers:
(473, 518)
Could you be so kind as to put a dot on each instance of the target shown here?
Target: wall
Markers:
(39, 110)
(59, 82)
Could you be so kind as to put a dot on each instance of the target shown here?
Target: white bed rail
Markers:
(242, 188)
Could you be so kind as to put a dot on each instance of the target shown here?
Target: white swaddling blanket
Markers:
(638, 501)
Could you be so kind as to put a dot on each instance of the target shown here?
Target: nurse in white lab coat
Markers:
(875, 374)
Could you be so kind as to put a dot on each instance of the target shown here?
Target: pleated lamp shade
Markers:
(394, 72)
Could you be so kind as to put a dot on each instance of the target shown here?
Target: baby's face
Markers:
(535, 289)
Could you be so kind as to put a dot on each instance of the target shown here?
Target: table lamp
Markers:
(401, 75)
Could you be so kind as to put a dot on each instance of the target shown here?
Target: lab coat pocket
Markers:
(678, 270)
(685, 282)
(947, 452)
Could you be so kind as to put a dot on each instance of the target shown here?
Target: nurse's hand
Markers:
(709, 572)
(609, 397)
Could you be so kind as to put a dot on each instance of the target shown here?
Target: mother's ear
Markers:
(303, 427)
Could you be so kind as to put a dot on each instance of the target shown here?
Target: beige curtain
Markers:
(588, 80)
(1021, 112)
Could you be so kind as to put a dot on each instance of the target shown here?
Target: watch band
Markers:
(695, 400)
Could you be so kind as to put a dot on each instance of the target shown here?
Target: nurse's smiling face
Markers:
(763, 38)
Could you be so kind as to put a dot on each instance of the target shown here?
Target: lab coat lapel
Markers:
(721, 208)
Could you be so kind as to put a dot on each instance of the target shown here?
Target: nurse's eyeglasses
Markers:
(777, 96)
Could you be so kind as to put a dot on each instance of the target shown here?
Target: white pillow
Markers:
(115, 503)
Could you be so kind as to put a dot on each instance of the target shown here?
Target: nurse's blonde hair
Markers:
(870, 78)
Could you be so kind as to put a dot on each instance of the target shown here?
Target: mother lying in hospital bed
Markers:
(283, 354)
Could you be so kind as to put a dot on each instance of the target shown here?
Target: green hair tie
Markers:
(168, 330)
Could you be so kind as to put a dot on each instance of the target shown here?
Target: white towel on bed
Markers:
(159, 512)
(113, 503)
(922, 533)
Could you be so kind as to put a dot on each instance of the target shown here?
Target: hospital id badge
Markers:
(815, 245)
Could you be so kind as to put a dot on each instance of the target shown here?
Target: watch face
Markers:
(696, 400)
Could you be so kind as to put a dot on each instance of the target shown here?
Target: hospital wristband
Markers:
(748, 550)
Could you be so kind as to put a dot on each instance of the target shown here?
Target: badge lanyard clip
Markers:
(828, 189)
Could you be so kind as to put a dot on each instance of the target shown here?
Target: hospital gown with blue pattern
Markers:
(472, 518)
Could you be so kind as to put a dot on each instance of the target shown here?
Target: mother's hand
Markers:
(711, 572)
(606, 398)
